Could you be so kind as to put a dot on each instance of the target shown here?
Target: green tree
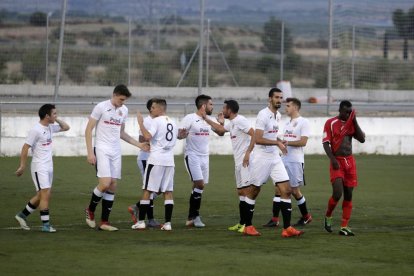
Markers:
(33, 65)
(38, 19)
(75, 68)
(404, 23)
(272, 35)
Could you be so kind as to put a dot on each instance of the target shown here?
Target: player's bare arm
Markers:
(329, 153)
(300, 143)
(260, 140)
(216, 127)
(63, 125)
(23, 159)
(145, 133)
(88, 138)
(359, 134)
(249, 150)
(127, 138)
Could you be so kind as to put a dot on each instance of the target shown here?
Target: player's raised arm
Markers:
(359, 134)
(145, 133)
(63, 125)
(216, 127)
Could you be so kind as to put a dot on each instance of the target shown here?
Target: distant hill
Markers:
(296, 12)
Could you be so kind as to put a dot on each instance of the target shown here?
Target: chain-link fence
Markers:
(155, 43)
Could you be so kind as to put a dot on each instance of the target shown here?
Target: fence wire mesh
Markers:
(150, 43)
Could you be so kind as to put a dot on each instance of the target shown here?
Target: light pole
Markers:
(47, 47)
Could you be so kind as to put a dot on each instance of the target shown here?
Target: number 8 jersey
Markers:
(164, 133)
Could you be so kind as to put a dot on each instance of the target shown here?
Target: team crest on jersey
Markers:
(120, 113)
(295, 124)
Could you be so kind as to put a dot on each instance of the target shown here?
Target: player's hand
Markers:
(203, 111)
(335, 164)
(91, 159)
(140, 119)
(182, 133)
(20, 171)
(144, 146)
(220, 118)
(246, 159)
(282, 147)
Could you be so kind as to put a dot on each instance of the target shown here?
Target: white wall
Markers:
(383, 136)
(238, 93)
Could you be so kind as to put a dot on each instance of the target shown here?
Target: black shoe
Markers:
(272, 223)
(304, 220)
(346, 231)
(328, 224)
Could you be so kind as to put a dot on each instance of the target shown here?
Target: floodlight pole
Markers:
(353, 59)
(282, 49)
(328, 98)
(59, 61)
(200, 53)
(129, 51)
(47, 48)
(207, 51)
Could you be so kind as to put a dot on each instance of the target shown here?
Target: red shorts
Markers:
(346, 171)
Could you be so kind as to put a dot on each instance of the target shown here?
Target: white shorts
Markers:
(263, 168)
(108, 164)
(295, 171)
(158, 178)
(42, 179)
(141, 166)
(197, 167)
(242, 176)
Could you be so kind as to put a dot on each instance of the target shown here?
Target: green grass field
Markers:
(383, 220)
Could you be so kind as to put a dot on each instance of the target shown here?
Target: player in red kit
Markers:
(337, 143)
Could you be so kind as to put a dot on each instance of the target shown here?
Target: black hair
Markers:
(161, 102)
(46, 109)
(149, 104)
(345, 104)
(295, 101)
(121, 89)
(232, 105)
(201, 99)
(274, 90)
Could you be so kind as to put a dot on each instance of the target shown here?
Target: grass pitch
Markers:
(382, 220)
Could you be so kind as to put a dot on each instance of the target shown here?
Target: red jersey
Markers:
(335, 130)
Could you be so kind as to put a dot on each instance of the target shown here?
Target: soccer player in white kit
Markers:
(142, 164)
(39, 141)
(242, 140)
(159, 173)
(109, 119)
(268, 163)
(196, 155)
(295, 135)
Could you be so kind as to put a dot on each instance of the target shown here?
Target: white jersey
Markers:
(240, 139)
(143, 155)
(197, 141)
(108, 128)
(268, 122)
(294, 130)
(40, 141)
(164, 133)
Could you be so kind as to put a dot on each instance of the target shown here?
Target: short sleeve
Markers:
(244, 125)
(327, 133)
(260, 123)
(186, 122)
(305, 131)
(97, 112)
(55, 128)
(32, 138)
